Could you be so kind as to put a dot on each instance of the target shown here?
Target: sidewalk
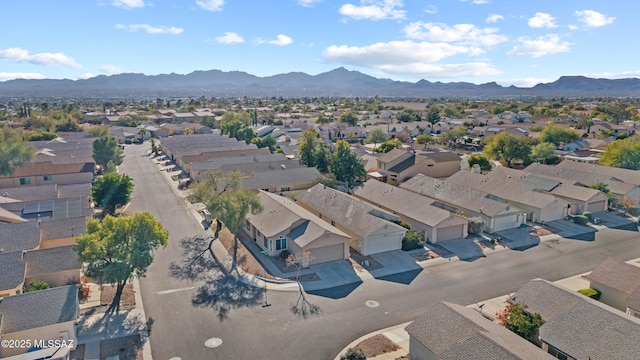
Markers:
(398, 335)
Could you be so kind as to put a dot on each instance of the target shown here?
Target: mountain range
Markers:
(337, 82)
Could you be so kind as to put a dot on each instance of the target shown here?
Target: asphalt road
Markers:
(180, 328)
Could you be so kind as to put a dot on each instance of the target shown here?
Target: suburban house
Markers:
(578, 327)
(13, 269)
(45, 173)
(540, 207)
(451, 331)
(497, 214)
(278, 180)
(579, 197)
(58, 310)
(19, 236)
(619, 285)
(124, 134)
(401, 164)
(197, 168)
(435, 224)
(284, 225)
(371, 230)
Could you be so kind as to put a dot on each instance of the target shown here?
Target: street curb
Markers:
(366, 336)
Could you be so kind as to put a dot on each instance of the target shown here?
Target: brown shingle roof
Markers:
(616, 274)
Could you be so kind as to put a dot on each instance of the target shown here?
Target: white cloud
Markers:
(211, 5)
(573, 27)
(431, 9)
(307, 3)
(542, 20)
(618, 75)
(128, 4)
(49, 59)
(111, 69)
(230, 38)
(86, 76)
(151, 29)
(460, 33)
(540, 46)
(494, 18)
(591, 18)
(19, 75)
(374, 10)
(281, 40)
(477, 2)
(392, 53)
(524, 82)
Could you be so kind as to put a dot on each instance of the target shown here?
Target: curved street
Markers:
(180, 329)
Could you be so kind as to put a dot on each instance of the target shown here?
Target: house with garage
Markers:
(284, 225)
(619, 285)
(58, 311)
(497, 214)
(435, 224)
(452, 331)
(372, 230)
(539, 207)
(578, 327)
(401, 164)
(46, 173)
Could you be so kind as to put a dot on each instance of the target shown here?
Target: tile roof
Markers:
(616, 274)
(394, 154)
(50, 168)
(403, 202)
(352, 213)
(31, 193)
(232, 160)
(404, 164)
(457, 195)
(19, 236)
(55, 306)
(52, 260)
(281, 178)
(579, 326)
(453, 331)
(280, 214)
(63, 228)
(441, 156)
(585, 178)
(73, 190)
(12, 268)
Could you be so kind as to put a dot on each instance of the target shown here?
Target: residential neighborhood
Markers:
(257, 206)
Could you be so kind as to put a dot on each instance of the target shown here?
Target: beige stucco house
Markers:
(619, 285)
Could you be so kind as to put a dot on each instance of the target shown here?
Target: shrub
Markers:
(412, 240)
(284, 255)
(588, 214)
(476, 225)
(37, 285)
(403, 224)
(354, 354)
(83, 289)
(580, 219)
(591, 292)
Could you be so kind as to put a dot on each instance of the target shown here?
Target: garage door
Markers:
(597, 206)
(506, 222)
(326, 253)
(450, 232)
(380, 243)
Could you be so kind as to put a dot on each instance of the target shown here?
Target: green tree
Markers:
(349, 118)
(36, 285)
(600, 186)
(246, 134)
(106, 149)
(377, 136)
(623, 153)
(13, 151)
(110, 168)
(481, 160)
(307, 147)
(454, 135)
(155, 149)
(98, 130)
(267, 141)
(321, 157)
(354, 354)
(231, 128)
(543, 151)
(515, 318)
(118, 248)
(389, 145)
(112, 190)
(506, 147)
(226, 200)
(407, 115)
(558, 135)
(433, 114)
(43, 135)
(345, 165)
(425, 139)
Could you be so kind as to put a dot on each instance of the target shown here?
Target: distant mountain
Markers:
(337, 82)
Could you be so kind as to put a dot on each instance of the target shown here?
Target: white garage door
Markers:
(597, 206)
(380, 243)
(506, 222)
(450, 232)
(326, 253)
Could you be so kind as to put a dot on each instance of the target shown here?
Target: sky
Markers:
(511, 42)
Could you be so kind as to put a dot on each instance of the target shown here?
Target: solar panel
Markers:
(39, 207)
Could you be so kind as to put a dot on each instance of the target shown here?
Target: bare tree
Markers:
(302, 306)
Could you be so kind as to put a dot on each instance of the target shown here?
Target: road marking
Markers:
(164, 292)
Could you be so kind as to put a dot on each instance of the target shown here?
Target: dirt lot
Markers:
(246, 261)
(127, 301)
(129, 347)
(377, 345)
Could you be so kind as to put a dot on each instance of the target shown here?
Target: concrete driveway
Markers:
(398, 266)
(464, 249)
(518, 239)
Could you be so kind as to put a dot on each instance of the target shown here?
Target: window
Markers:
(286, 188)
(281, 243)
(247, 225)
(47, 178)
(25, 181)
(333, 223)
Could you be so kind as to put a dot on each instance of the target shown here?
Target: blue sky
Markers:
(519, 42)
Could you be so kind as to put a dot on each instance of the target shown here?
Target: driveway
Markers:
(464, 249)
